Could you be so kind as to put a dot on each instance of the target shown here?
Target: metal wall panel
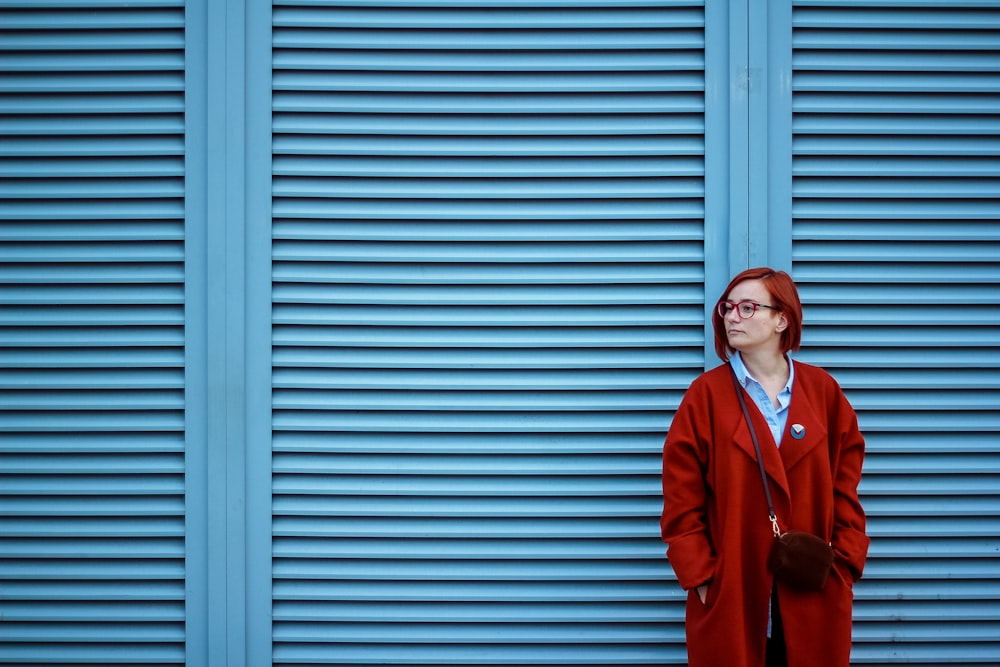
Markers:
(488, 298)
(91, 334)
(896, 226)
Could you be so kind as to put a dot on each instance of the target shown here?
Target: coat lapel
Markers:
(772, 458)
(802, 416)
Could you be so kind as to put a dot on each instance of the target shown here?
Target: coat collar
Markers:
(779, 461)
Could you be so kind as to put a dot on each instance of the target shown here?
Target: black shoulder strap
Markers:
(756, 446)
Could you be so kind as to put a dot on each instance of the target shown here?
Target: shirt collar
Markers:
(743, 375)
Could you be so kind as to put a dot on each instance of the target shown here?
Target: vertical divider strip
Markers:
(226, 333)
(726, 152)
(776, 33)
(196, 613)
(258, 334)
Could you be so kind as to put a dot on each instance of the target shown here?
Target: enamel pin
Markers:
(798, 431)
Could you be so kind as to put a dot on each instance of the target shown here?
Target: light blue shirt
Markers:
(776, 418)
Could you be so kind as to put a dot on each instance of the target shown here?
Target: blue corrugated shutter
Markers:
(91, 333)
(488, 264)
(896, 230)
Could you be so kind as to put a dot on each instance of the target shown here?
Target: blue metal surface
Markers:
(347, 332)
(92, 394)
(894, 214)
(517, 256)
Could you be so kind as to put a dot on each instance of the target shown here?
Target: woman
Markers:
(715, 516)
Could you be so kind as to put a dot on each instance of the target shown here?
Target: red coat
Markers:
(716, 527)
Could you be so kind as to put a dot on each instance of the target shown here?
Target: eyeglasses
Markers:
(746, 309)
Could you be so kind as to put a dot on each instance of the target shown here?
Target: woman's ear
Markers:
(782, 323)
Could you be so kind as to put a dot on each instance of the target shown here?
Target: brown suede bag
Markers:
(801, 560)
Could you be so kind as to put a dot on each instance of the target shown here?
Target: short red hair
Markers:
(784, 297)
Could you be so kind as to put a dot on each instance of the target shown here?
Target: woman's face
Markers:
(762, 331)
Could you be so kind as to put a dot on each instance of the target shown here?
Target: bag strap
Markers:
(756, 446)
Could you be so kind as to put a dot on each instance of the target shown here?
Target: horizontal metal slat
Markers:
(857, 123)
(684, 204)
(71, 528)
(92, 421)
(581, 59)
(915, 629)
(22, 171)
(884, 82)
(107, 652)
(463, 443)
(425, 83)
(523, 151)
(81, 82)
(68, 208)
(433, 170)
(62, 126)
(986, 507)
(497, 316)
(874, 593)
(473, 337)
(484, 358)
(887, 187)
(895, 170)
(606, 655)
(143, 611)
(84, 294)
(92, 579)
(466, 465)
(506, 549)
(321, 293)
(479, 485)
(901, 293)
(532, 120)
(78, 589)
(671, 273)
(89, 187)
(914, 231)
(93, 463)
(309, 382)
(113, 548)
(359, 187)
(880, 62)
(63, 252)
(954, 423)
(485, 252)
(896, 443)
(443, 528)
(68, 147)
(458, 401)
(147, 60)
(78, 506)
(292, 573)
(509, 40)
(75, 315)
(489, 17)
(898, 252)
(907, 16)
(104, 358)
(54, 231)
(931, 485)
(430, 633)
(954, 147)
(429, 508)
(138, 16)
(91, 336)
(872, 39)
(576, 612)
